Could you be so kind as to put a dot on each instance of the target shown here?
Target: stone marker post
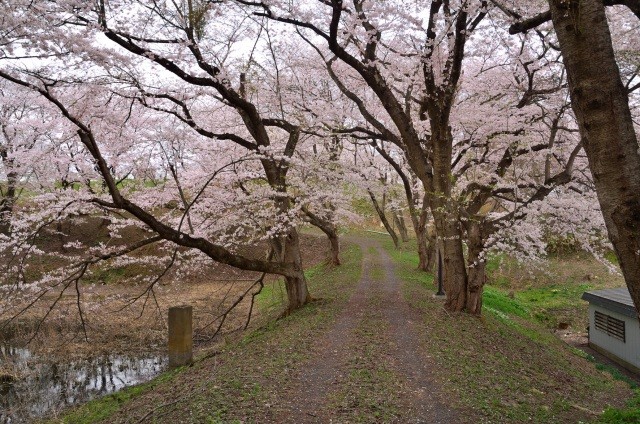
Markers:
(180, 336)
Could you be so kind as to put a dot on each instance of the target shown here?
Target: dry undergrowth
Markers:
(112, 323)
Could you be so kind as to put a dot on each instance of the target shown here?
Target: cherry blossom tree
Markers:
(25, 140)
(180, 52)
(601, 103)
(211, 126)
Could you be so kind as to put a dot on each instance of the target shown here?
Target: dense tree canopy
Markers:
(211, 126)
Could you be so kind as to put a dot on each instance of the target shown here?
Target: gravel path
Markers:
(398, 343)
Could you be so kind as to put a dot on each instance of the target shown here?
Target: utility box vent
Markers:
(610, 325)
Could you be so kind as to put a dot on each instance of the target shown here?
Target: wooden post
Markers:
(180, 336)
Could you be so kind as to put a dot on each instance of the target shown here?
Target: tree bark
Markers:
(295, 284)
(426, 246)
(476, 268)
(334, 244)
(7, 203)
(402, 228)
(454, 270)
(601, 105)
(383, 219)
(330, 230)
(446, 214)
(431, 254)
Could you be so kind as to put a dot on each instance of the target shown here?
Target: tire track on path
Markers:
(399, 343)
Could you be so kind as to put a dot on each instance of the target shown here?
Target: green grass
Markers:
(273, 296)
(497, 300)
(558, 296)
(552, 291)
(408, 257)
(630, 414)
(506, 366)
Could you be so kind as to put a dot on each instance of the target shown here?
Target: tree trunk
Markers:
(601, 105)
(426, 250)
(426, 242)
(454, 269)
(402, 228)
(330, 230)
(7, 202)
(432, 251)
(296, 284)
(334, 243)
(446, 217)
(476, 268)
(384, 219)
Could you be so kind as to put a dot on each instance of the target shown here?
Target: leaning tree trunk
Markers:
(476, 268)
(601, 105)
(402, 228)
(384, 220)
(330, 230)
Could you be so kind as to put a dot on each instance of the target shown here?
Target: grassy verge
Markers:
(629, 414)
(245, 381)
(505, 366)
(551, 292)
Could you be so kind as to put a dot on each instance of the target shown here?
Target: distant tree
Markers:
(24, 140)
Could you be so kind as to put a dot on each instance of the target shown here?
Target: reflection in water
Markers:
(31, 387)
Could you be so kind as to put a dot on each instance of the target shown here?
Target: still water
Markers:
(31, 386)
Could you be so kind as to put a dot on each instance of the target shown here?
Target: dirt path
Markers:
(370, 365)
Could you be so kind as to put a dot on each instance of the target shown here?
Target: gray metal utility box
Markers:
(614, 329)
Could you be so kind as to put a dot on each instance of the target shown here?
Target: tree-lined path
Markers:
(370, 364)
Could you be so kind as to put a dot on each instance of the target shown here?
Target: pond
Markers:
(32, 386)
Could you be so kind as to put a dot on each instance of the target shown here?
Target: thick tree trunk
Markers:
(296, 284)
(476, 268)
(446, 217)
(384, 220)
(454, 269)
(426, 250)
(601, 105)
(334, 243)
(432, 251)
(402, 228)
